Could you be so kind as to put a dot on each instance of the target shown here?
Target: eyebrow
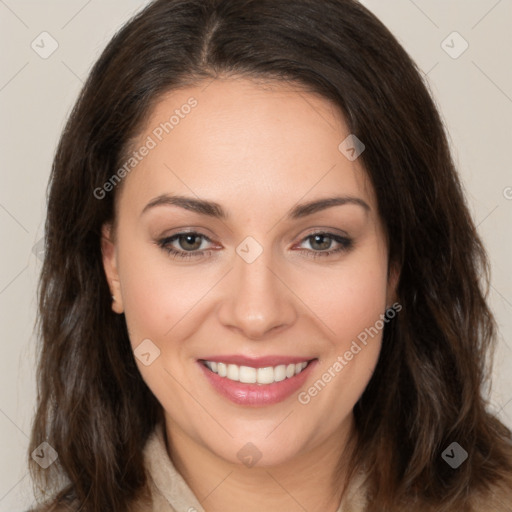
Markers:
(213, 209)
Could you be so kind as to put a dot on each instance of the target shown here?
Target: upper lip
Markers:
(256, 362)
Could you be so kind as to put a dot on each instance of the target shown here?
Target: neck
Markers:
(307, 482)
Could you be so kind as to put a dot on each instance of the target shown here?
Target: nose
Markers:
(256, 298)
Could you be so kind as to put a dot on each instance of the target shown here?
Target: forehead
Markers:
(239, 141)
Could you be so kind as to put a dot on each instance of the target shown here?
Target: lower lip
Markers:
(257, 395)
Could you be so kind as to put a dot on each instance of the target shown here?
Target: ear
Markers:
(109, 257)
(393, 278)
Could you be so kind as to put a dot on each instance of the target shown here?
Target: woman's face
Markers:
(258, 289)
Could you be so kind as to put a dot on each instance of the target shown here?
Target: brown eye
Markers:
(320, 244)
(183, 245)
(189, 242)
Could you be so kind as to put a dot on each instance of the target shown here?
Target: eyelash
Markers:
(345, 243)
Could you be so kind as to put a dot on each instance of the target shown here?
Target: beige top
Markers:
(170, 492)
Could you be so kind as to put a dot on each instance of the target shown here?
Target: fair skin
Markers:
(258, 152)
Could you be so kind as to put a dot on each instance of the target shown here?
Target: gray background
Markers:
(473, 92)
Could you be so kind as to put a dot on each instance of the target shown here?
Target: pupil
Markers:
(325, 244)
(187, 239)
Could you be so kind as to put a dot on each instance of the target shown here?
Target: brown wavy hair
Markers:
(427, 390)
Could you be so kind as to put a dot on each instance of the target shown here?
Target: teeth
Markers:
(233, 372)
(222, 369)
(265, 375)
(249, 375)
(280, 372)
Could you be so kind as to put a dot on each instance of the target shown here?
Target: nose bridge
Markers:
(256, 300)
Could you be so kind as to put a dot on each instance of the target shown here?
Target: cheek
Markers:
(349, 304)
(347, 300)
(157, 295)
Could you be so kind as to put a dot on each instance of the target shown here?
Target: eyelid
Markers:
(168, 239)
(324, 231)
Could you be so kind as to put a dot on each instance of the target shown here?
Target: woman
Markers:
(261, 286)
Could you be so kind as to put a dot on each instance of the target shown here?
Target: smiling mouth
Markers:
(251, 375)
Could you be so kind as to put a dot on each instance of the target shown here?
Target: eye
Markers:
(190, 243)
(323, 241)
